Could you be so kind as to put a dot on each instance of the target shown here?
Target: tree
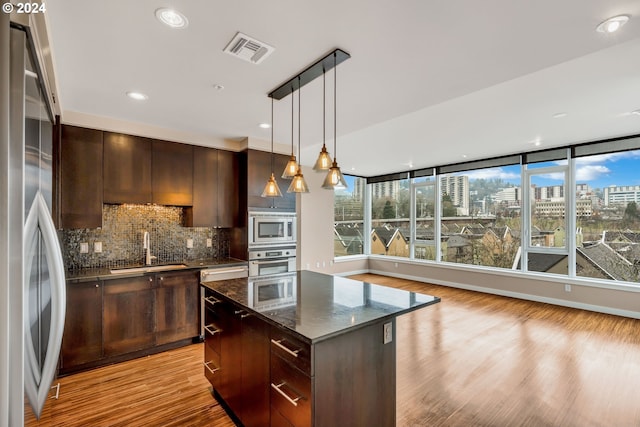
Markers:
(388, 211)
(631, 211)
(447, 206)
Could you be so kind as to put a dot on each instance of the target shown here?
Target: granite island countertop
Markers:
(104, 273)
(323, 305)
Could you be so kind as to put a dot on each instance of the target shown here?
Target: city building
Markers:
(615, 195)
(457, 188)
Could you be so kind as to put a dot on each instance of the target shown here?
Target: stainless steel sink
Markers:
(148, 268)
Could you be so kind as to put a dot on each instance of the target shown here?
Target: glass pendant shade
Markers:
(272, 189)
(334, 179)
(324, 160)
(298, 184)
(291, 169)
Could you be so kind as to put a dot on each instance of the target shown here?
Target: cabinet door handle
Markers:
(278, 343)
(211, 300)
(212, 331)
(239, 312)
(277, 388)
(206, 365)
(242, 316)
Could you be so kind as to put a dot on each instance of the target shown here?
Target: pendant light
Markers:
(334, 179)
(272, 189)
(324, 159)
(298, 184)
(292, 167)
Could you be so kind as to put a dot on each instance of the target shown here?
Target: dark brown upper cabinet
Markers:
(171, 173)
(127, 169)
(258, 172)
(80, 184)
(215, 188)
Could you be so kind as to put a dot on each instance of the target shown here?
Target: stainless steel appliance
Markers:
(270, 261)
(272, 229)
(32, 284)
(273, 292)
(217, 274)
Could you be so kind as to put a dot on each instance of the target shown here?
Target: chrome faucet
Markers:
(146, 245)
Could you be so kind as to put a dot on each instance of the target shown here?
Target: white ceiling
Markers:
(428, 82)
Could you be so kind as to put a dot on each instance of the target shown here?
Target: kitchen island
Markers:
(305, 349)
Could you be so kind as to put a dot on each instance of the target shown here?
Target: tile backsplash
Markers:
(122, 232)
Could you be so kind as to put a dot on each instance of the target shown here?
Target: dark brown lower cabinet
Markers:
(176, 310)
(115, 319)
(82, 338)
(272, 376)
(242, 380)
(129, 315)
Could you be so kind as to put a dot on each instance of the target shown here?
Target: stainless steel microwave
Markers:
(272, 228)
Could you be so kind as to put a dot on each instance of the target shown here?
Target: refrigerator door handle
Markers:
(37, 381)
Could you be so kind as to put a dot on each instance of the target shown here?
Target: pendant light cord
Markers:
(299, 102)
(291, 120)
(335, 137)
(324, 107)
(272, 135)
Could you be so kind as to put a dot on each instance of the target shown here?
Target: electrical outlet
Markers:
(209, 243)
(388, 333)
(97, 247)
(567, 287)
(84, 248)
(190, 243)
(395, 264)
(317, 264)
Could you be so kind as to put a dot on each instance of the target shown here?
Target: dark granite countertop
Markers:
(323, 305)
(88, 274)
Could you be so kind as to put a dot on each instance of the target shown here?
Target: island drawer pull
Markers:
(294, 353)
(211, 300)
(212, 331)
(206, 365)
(294, 402)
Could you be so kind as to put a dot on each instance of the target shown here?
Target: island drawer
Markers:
(285, 345)
(212, 366)
(290, 392)
(212, 329)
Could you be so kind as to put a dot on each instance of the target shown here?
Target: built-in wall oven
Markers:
(270, 229)
(271, 261)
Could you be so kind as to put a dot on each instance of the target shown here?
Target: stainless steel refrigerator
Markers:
(32, 283)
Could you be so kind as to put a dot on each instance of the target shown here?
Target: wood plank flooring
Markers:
(472, 360)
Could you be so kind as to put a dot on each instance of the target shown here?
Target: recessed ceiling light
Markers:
(264, 125)
(612, 24)
(636, 112)
(560, 115)
(172, 18)
(464, 156)
(218, 87)
(137, 96)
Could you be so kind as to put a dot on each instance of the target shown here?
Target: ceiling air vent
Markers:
(244, 47)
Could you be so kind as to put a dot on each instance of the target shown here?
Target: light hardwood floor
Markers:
(472, 360)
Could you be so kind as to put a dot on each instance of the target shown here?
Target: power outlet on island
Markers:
(388, 333)
(189, 243)
(209, 243)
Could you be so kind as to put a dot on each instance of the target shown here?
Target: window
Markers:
(390, 213)
(424, 238)
(480, 216)
(348, 225)
(607, 216)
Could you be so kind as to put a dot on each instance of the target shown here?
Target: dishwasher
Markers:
(217, 274)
